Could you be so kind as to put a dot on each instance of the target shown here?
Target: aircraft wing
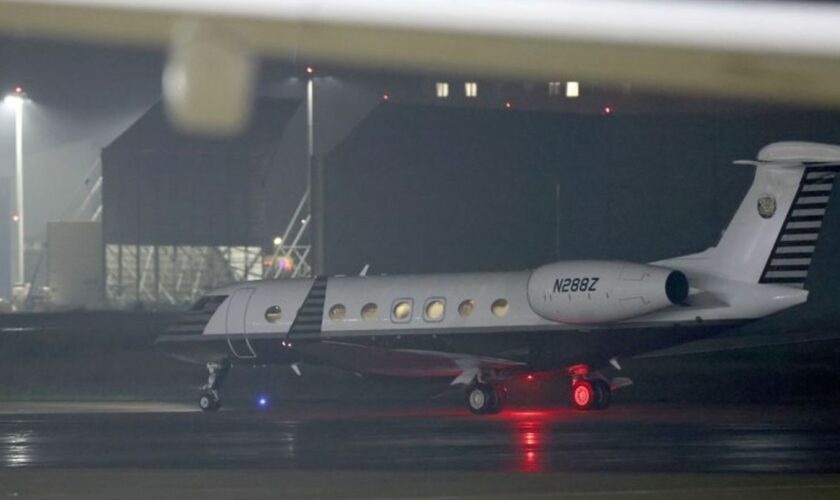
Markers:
(782, 51)
(403, 362)
(731, 343)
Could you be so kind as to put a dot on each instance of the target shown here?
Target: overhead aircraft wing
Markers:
(781, 51)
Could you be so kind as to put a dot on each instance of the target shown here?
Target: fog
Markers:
(79, 99)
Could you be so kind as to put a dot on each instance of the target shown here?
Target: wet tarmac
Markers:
(341, 450)
(339, 436)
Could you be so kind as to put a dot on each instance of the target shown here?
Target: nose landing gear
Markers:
(209, 398)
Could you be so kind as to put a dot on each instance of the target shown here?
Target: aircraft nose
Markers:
(194, 320)
(189, 323)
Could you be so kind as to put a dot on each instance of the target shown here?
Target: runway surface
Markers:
(340, 436)
(94, 450)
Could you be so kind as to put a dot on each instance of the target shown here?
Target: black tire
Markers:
(482, 399)
(209, 401)
(584, 395)
(500, 393)
(603, 394)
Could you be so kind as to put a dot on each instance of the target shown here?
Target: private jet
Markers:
(481, 330)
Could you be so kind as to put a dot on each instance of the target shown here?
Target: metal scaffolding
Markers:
(175, 275)
(290, 258)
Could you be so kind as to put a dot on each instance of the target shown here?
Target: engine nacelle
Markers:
(602, 291)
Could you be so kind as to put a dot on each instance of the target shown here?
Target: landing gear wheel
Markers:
(603, 394)
(584, 395)
(483, 399)
(209, 401)
(501, 398)
(591, 394)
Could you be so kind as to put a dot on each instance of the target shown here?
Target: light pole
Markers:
(16, 100)
(310, 114)
(315, 181)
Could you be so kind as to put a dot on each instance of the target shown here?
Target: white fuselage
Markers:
(554, 316)
(711, 299)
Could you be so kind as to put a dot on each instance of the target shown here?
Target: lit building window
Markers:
(555, 88)
(471, 89)
(434, 310)
(500, 307)
(369, 311)
(442, 90)
(572, 89)
(273, 314)
(401, 312)
(338, 312)
(466, 308)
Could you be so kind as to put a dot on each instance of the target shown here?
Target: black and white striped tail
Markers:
(791, 256)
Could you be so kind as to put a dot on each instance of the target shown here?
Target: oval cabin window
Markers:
(401, 311)
(434, 310)
(369, 311)
(273, 314)
(500, 307)
(466, 308)
(338, 312)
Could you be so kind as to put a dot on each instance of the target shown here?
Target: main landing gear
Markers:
(591, 394)
(209, 398)
(484, 399)
(590, 391)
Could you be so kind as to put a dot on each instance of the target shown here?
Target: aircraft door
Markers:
(235, 322)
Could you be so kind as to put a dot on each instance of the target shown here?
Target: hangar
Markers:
(181, 214)
(468, 176)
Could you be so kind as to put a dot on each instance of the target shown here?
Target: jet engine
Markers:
(583, 292)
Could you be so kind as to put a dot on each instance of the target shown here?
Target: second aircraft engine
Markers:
(583, 292)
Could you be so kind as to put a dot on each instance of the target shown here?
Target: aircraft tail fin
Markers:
(774, 232)
(790, 258)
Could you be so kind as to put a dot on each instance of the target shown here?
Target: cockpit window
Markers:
(194, 320)
(208, 303)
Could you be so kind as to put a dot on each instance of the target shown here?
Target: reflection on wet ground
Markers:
(638, 439)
